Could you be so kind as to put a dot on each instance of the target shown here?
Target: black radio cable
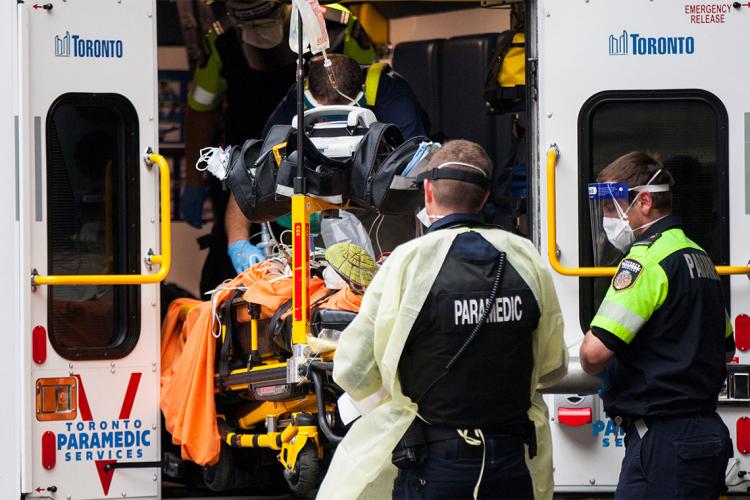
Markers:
(485, 314)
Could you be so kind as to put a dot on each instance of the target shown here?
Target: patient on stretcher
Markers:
(194, 333)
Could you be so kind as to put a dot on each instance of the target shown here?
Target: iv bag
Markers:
(315, 34)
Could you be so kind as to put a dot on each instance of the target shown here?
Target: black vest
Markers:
(489, 387)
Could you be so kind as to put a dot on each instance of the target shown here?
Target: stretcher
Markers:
(272, 387)
(273, 397)
(270, 401)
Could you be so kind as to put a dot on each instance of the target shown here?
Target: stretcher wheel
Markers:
(225, 474)
(304, 477)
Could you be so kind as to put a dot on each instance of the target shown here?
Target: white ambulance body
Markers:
(78, 111)
(663, 76)
(78, 100)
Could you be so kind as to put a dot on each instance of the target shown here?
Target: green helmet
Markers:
(353, 264)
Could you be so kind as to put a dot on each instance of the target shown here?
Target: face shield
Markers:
(607, 201)
(609, 204)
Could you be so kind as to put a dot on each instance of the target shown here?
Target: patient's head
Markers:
(348, 80)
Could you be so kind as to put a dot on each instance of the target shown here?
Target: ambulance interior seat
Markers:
(448, 78)
(419, 63)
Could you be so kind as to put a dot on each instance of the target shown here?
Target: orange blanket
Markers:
(187, 383)
(343, 300)
(188, 353)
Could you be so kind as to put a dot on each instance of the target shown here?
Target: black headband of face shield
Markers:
(454, 174)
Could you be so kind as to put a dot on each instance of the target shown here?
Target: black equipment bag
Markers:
(326, 177)
(252, 178)
(391, 193)
(378, 143)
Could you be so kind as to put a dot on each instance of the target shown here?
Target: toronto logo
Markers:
(623, 44)
(73, 45)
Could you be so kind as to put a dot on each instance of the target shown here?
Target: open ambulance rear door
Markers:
(662, 76)
(86, 205)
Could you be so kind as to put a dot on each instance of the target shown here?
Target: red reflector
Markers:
(743, 435)
(574, 417)
(742, 332)
(39, 344)
(49, 450)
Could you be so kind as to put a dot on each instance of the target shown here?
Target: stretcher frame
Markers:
(302, 429)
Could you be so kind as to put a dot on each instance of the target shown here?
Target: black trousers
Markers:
(676, 457)
(452, 467)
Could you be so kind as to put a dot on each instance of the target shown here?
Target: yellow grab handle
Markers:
(163, 260)
(552, 154)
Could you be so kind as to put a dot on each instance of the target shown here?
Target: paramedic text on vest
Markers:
(481, 335)
(664, 336)
(388, 95)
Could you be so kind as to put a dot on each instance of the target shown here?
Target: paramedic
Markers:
(461, 326)
(664, 336)
(385, 92)
(247, 66)
(377, 87)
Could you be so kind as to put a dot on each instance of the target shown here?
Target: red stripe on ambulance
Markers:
(127, 403)
(106, 474)
(83, 402)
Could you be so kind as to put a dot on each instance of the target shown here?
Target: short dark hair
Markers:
(637, 168)
(348, 79)
(458, 196)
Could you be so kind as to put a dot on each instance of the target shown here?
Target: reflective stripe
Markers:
(203, 96)
(372, 81)
(729, 330)
(621, 314)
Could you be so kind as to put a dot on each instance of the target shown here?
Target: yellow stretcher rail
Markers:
(552, 155)
(163, 260)
(302, 208)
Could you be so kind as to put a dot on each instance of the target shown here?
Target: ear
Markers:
(645, 202)
(428, 195)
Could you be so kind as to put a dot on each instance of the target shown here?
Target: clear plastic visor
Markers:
(606, 200)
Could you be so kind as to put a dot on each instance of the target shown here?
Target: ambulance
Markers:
(87, 217)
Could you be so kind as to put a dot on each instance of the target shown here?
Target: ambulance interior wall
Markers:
(187, 257)
(11, 351)
(449, 24)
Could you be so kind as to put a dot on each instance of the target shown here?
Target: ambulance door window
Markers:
(92, 223)
(688, 129)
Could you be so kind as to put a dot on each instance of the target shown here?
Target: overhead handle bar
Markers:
(163, 260)
(553, 153)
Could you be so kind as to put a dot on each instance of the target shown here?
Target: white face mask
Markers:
(427, 219)
(333, 280)
(618, 229)
(618, 232)
(216, 161)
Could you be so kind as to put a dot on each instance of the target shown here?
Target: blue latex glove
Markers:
(244, 254)
(191, 205)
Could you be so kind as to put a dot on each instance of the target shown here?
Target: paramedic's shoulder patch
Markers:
(627, 274)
